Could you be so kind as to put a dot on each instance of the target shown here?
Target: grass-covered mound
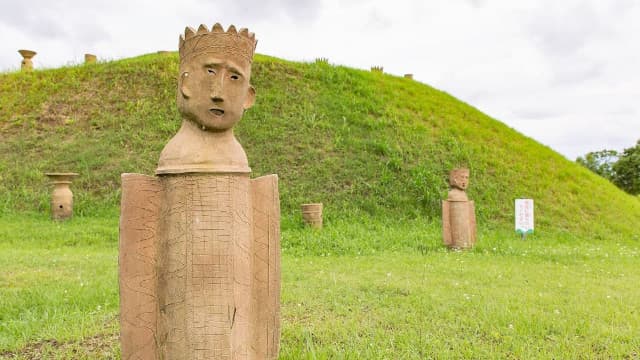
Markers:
(360, 142)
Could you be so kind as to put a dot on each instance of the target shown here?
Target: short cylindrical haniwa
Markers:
(408, 76)
(27, 62)
(312, 215)
(90, 59)
(61, 197)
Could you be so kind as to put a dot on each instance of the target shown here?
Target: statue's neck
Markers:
(456, 194)
(194, 150)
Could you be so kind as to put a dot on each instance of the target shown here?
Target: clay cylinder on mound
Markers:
(90, 59)
(312, 215)
(27, 62)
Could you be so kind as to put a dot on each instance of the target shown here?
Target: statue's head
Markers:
(459, 178)
(215, 69)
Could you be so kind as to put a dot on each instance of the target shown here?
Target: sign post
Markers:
(524, 217)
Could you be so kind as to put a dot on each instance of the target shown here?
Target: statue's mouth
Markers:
(217, 112)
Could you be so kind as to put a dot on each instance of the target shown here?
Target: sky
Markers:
(566, 73)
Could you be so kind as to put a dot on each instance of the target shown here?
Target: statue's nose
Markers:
(216, 90)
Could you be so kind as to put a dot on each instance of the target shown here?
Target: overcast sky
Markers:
(566, 73)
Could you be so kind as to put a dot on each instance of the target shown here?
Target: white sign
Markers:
(524, 216)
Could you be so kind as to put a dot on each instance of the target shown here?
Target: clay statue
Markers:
(27, 63)
(377, 69)
(61, 197)
(200, 241)
(458, 213)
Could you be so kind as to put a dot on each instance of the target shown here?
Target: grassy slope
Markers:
(355, 140)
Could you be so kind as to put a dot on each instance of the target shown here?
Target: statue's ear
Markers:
(251, 97)
(183, 84)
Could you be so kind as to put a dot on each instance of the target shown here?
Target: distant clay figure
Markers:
(27, 63)
(200, 242)
(61, 197)
(458, 213)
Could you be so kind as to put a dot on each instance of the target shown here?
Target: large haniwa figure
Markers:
(458, 213)
(200, 242)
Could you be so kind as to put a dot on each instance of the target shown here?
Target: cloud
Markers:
(269, 10)
(562, 31)
(42, 23)
(51, 20)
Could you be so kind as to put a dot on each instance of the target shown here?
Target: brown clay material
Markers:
(217, 233)
(408, 76)
(90, 59)
(204, 281)
(458, 213)
(140, 208)
(61, 197)
(266, 261)
(213, 93)
(27, 62)
(312, 215)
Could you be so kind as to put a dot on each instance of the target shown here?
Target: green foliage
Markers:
(627, 170)
(600, 162)
(362, 143)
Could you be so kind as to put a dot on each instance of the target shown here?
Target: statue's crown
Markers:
(239, 45)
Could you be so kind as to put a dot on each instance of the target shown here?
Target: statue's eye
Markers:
(235, 77)
(211, 71)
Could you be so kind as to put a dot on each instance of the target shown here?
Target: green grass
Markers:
(354, 290)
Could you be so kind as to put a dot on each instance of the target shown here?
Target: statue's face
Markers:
(213, 92)
(460, 180)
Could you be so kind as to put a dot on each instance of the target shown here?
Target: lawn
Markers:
(366, 289)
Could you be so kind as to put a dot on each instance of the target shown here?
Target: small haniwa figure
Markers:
(27, 63)
(61, 197)
(458, 213)
(200, 242)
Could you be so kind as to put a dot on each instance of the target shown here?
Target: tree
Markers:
(600, 162)
(627, 170)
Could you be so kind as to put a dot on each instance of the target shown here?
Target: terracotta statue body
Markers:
(458, 213)
(199, 243)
